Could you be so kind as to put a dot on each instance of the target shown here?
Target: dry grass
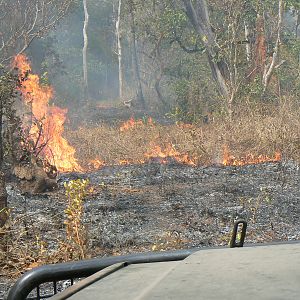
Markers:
(257, 131)
(21, 247)
(253, 131)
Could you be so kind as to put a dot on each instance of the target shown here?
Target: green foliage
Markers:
(173, 19)
(76, 192)
(253, 205)
(253, 90)
(172, 55)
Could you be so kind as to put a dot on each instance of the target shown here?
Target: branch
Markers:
(183, 47)
(26, 20)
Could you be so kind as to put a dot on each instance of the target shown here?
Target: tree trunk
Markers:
(159, 77)
(119, 51)
(84, 52)
(3, 194)
(297, 24)
(136, 67)
(3, 200)
(1, 134)
(197, 13)
(158, 92)
(269, 68)
(247, 38)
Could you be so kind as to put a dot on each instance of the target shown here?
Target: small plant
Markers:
(255, 204)
(76, 191)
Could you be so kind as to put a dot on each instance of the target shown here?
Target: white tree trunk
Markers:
(84, 51)
(119, 51)
(248, 46)
(269, 68)
(197, 12)
(136, 66)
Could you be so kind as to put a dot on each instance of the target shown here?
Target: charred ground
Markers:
(155, 206)
(167, 206)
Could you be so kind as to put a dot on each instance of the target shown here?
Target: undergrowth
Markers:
(260, 129)
(76, 233)
(22, 246)
(257, 130)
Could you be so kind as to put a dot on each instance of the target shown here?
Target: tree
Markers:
(199, 17)
(119, 50)
(8, 84)
(20, 23)
(23, 21)
(223, 35)
(136, 64)
(84, 51)
(274, 63)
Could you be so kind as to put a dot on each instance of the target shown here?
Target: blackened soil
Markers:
(157, 207)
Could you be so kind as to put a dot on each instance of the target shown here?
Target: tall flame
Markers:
(57, 149)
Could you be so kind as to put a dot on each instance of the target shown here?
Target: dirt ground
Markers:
(155, 206)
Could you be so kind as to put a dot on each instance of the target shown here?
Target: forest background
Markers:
(232, 65)
(191, 58)
(211, 73)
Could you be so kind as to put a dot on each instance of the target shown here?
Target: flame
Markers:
(185, 125)
(124, 162)
(132, 123)
(96, 164)
(57, 149)
(249, 159)
(169, 152)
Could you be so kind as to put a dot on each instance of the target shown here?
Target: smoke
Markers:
(58, 57)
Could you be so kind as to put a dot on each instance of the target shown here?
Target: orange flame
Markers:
(37, 96)
(249, 159)
(124, 162)
(169, 152)
(96, 164)
(185, 125)
(132, 123)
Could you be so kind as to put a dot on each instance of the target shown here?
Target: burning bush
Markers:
(44, 123)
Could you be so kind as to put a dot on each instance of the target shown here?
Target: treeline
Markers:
(188, 58)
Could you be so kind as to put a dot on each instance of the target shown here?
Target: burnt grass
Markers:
(157, 206)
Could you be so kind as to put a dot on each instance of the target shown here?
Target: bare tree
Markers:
(274, 62)
(21, 21)
(84, 51)
(119, 50)
(247, 44)
(3, 194)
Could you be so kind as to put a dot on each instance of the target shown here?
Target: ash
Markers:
(156, 206)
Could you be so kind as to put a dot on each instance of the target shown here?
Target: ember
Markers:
(36, 96)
